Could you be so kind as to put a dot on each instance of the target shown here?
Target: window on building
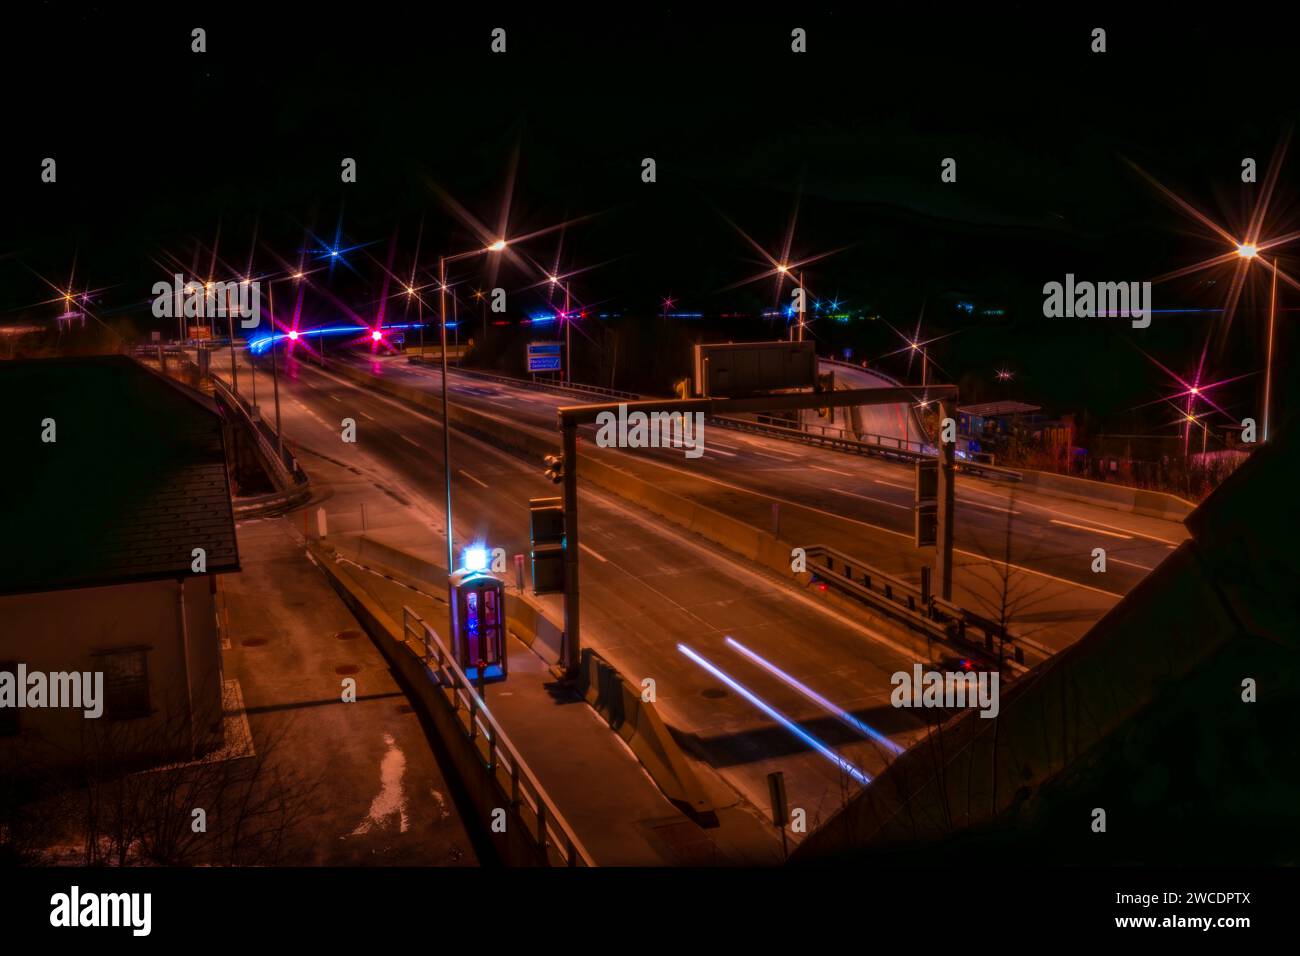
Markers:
(126, 682)
(9, 723)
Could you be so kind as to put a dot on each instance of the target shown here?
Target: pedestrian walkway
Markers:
(362, 777)
(592, 776)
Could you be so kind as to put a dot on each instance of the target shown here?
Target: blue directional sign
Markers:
(544, 357)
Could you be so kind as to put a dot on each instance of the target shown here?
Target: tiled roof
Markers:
(135, 480)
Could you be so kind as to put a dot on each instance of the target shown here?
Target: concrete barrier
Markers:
(1138, 501)
(637, 721)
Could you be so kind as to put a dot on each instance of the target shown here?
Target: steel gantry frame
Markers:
(569, 417)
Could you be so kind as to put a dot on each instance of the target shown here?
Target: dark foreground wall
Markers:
(1143, 718)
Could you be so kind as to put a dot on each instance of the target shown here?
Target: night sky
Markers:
(158, 147)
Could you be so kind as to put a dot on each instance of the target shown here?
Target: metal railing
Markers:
(282, 460)
(545, 826)
(917, 607)
(289, 472)
(883, 446)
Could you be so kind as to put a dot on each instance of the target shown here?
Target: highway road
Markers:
(1032, 550)
(752, 674)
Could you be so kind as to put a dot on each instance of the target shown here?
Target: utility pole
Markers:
(947, 497)
(234, 368)
(803, 294)
(275, 377)
(572, 649)
(568, 338)
(446, 418)
(1268, 362)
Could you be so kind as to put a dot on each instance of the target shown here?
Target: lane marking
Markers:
(1084, 527)
(413, 442)
(834, 471)
(893, 484)
(980, 504)
(582, 546)
(1131, 564)
(877, 527)
(879, 501)
(481, 484)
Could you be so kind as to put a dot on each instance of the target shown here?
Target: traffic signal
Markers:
(825, 383)
(555, 468)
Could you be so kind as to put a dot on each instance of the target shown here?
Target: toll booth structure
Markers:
(478, 625)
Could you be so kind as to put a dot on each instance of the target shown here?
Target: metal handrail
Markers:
(286, 465)
(916, 606)
(885, 446)
(553, 831)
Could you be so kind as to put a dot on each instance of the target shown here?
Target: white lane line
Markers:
(364, 415)
(412, 441)
(1020, 500)
(893, 484)
(879, 501)
(834, 471)
(980, 504)
(481, 484)
(582, 545)
(882, 528)
(1131, 564)
(763, 454)
(717, 451)
(1084, 527)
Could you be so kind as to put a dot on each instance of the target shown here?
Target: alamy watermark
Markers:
(1092, 300)
(76, 690)
(207, 300)
(946, 689)
(654, 430)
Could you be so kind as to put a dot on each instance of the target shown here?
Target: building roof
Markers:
(996, 409)
(135, 480)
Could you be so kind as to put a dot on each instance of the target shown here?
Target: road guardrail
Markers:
(917, 607)
(543, 822)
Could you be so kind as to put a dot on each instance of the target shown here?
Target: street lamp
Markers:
(1268, 360)
(496, 246)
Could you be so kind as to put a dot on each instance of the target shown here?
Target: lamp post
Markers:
(496, 246)
(275, 375)
(568, 338)
(1268, 362)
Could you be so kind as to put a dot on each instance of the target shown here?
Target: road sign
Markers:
(926, 504)
(548, 544)
(544, 357)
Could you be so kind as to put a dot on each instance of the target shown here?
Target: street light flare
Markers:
(1247, 250)
(497, 246)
